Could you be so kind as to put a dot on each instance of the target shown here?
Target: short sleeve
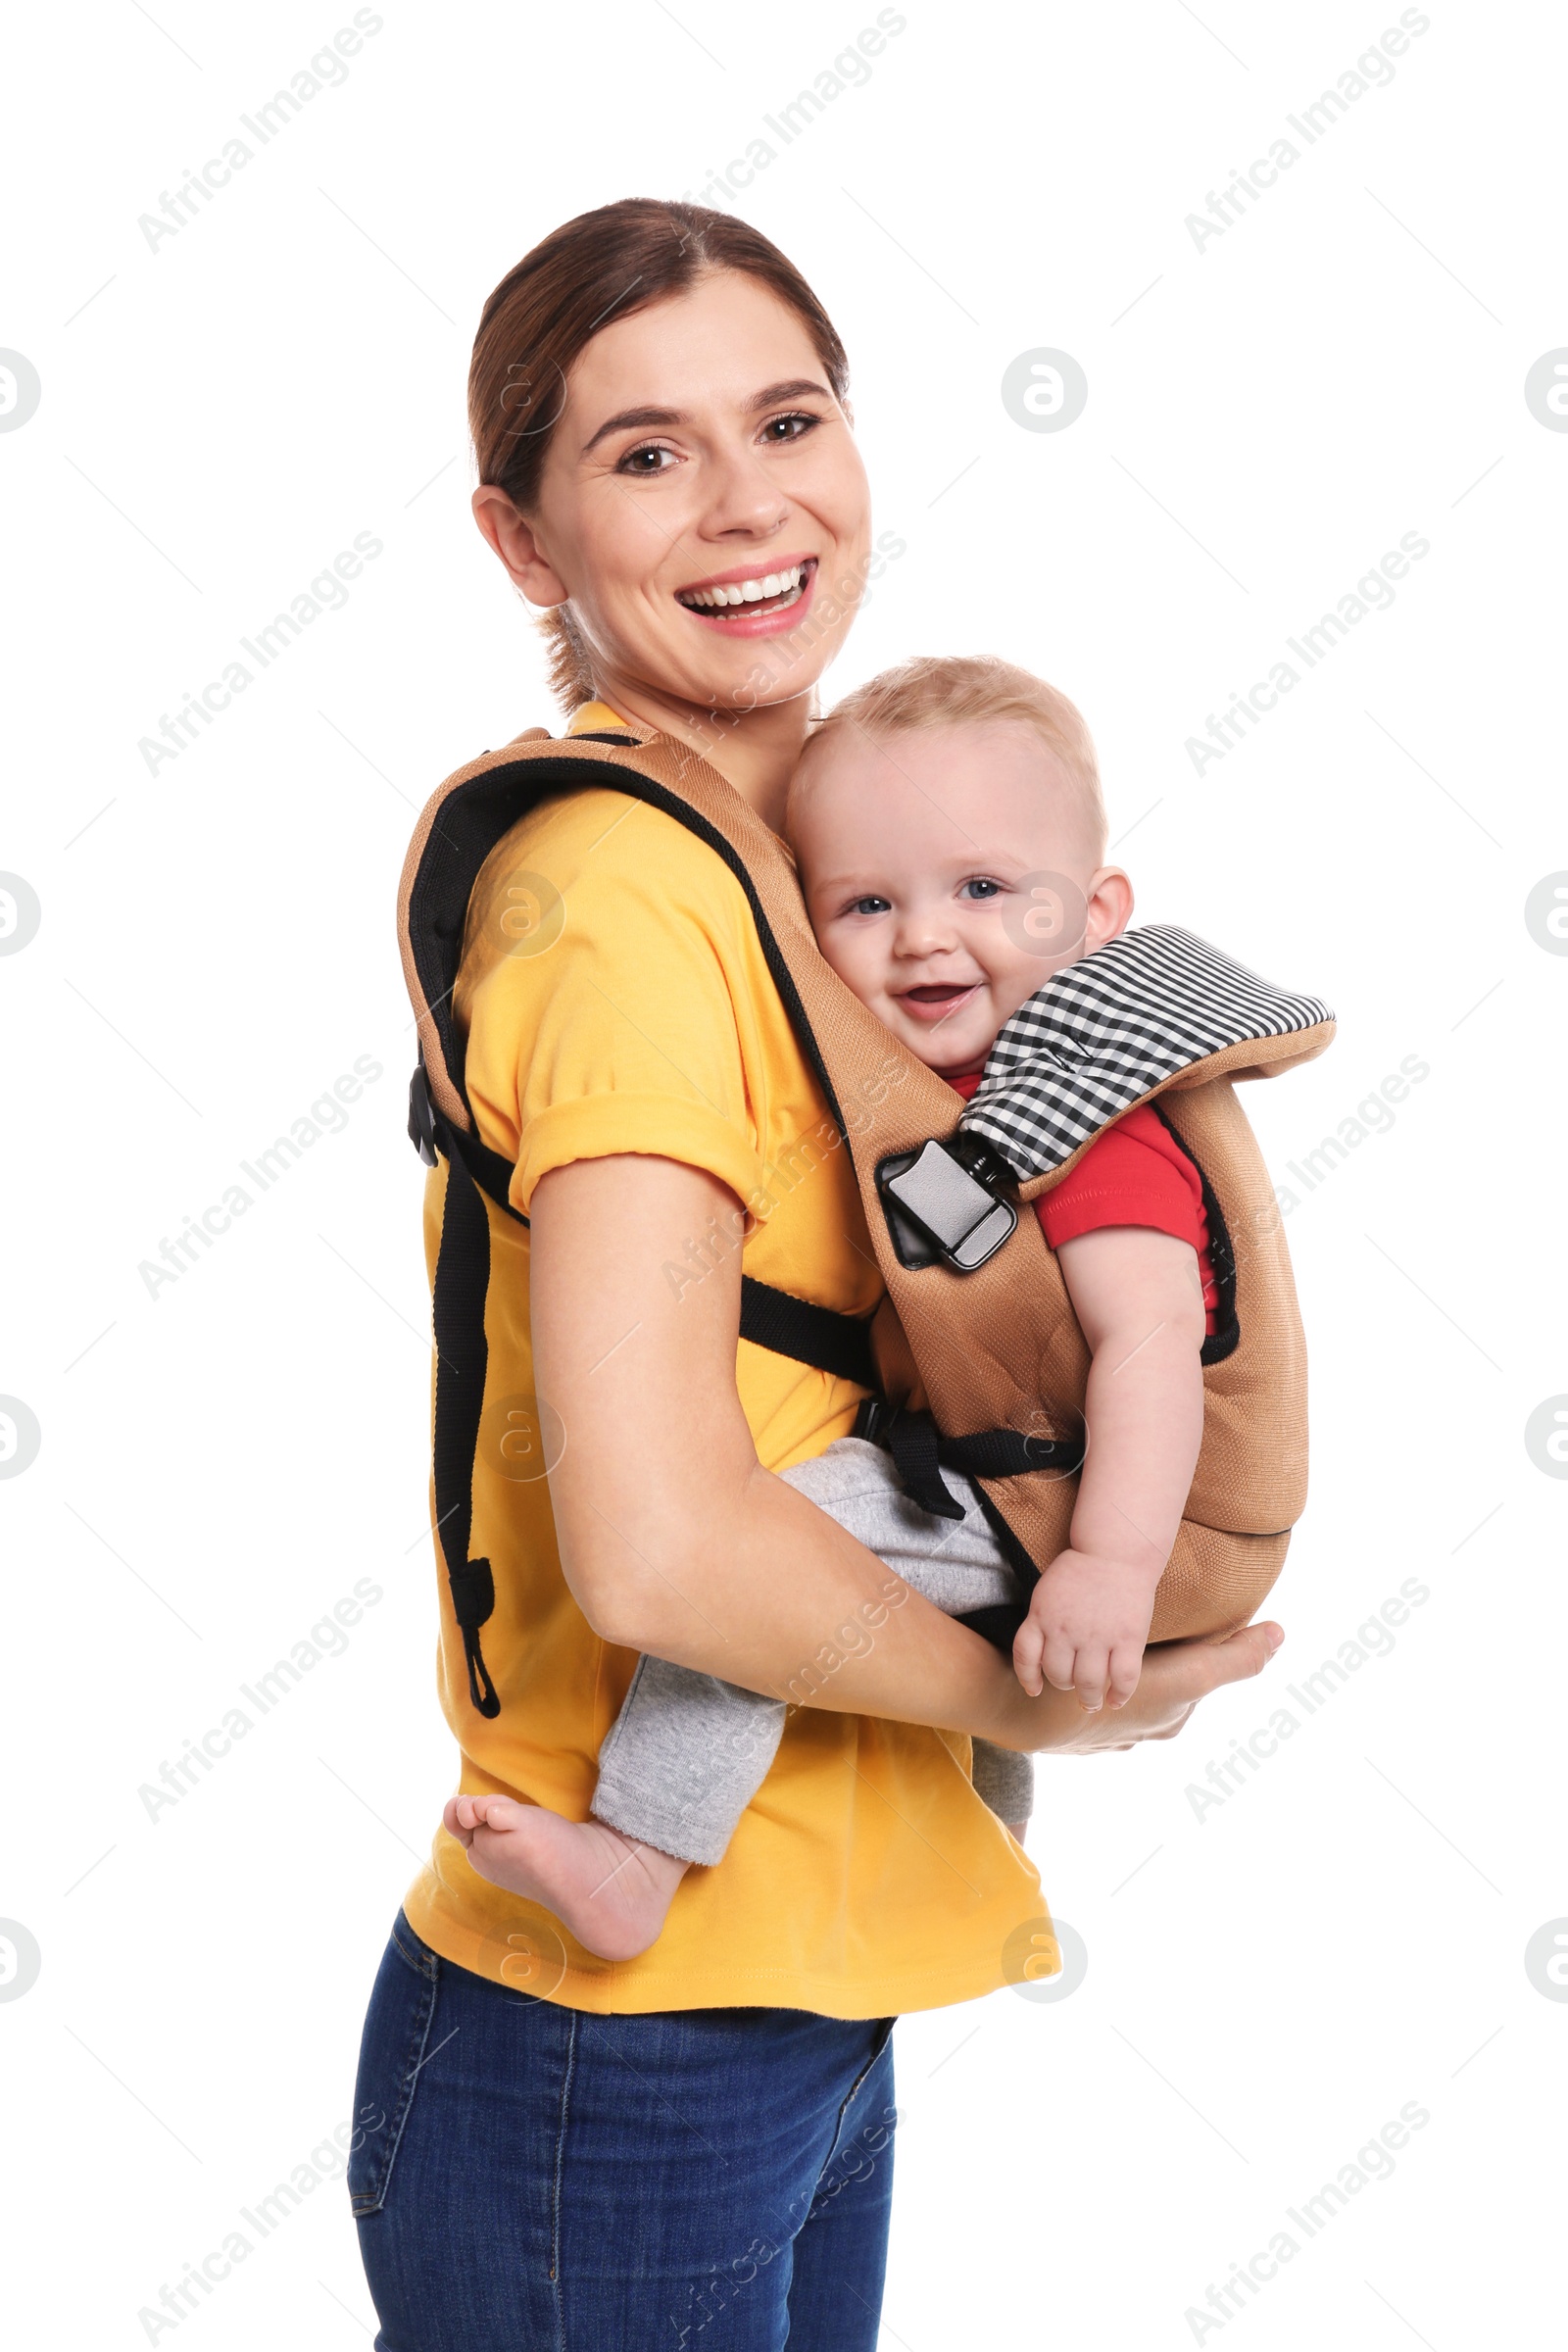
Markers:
(610, 1025)
(1135, 1174)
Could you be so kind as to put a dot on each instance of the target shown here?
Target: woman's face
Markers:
(702, 502)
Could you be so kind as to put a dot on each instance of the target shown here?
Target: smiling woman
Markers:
(600, 2141)
(620, 520)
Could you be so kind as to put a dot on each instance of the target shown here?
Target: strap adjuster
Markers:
(421, 1114)
(942, 1202)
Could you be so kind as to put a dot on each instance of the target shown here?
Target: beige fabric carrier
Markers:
(994, 1349)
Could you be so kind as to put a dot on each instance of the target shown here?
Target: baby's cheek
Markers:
(1014, 974)
(857, 958)
(1017, 972)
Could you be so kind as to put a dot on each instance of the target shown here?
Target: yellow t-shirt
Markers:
(615, 999)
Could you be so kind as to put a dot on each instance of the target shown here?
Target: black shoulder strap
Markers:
(811, 1335)
(818, 1336)
(462, 1356)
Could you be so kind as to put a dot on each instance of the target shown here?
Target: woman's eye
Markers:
(779, 429)
(979, 888)
(649, 460)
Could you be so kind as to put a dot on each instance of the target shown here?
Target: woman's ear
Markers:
(514, 540)
(1109, 900)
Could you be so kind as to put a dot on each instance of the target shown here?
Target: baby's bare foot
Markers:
(613, 1893)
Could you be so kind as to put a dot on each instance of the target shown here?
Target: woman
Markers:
(552, 2150)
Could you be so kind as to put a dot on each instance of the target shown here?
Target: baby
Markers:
(949, 833)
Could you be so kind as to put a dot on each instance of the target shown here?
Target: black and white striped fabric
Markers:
(1101, 1034)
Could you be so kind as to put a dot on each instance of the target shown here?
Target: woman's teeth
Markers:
(778, 588)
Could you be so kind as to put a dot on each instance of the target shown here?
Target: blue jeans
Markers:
(530, 2177)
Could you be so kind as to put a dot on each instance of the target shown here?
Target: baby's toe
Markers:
(495, 1812)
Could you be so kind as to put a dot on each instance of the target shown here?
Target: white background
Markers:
(1270, 1980)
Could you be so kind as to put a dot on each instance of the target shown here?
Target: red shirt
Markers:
(1134, 1174)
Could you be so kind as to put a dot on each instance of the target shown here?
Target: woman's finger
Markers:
(1175, 1676)
(1244, 1654)
(1178, 1674)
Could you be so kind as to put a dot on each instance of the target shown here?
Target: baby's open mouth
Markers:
(757, 596)
(931, 1002)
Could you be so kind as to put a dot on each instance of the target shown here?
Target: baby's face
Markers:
(948, 874)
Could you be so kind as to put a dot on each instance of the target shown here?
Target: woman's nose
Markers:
(742, 496)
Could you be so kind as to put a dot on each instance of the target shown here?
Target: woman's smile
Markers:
(755, 600)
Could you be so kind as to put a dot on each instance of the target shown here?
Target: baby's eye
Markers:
(870, 905)
(979, 888)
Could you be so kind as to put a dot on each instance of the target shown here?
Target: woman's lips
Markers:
(934, 1003)
(764, 617)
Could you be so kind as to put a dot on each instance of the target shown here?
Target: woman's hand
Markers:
(1175, 1676)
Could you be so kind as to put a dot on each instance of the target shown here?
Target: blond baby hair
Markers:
(945, 690)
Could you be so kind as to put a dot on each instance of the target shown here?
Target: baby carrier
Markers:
(974, 1362)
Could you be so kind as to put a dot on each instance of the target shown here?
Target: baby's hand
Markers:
(1086, 1628)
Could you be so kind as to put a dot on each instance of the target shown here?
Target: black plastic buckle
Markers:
(871, 1419)
(421, 1115)
(944, 1204)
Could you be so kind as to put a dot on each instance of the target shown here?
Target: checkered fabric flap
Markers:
(1108, 1030)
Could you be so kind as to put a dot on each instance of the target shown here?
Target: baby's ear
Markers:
(1109, 898)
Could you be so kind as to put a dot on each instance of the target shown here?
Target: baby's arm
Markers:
(1138, 1297)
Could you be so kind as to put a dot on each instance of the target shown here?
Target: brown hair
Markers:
(968, 690)
(606, 264)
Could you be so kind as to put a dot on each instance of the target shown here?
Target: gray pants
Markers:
(687, 1753)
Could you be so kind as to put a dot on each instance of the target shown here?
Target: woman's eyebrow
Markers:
(797, 389)
(645, 419)
(634, 419)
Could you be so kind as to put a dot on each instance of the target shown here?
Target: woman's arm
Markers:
(675, 1541)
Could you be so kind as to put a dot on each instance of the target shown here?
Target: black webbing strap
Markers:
(996, 1624)
(818, 1336)
(811, 1335)
(462, 1279)
(920, 1453)
(917, 1452)
(775, 1319)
